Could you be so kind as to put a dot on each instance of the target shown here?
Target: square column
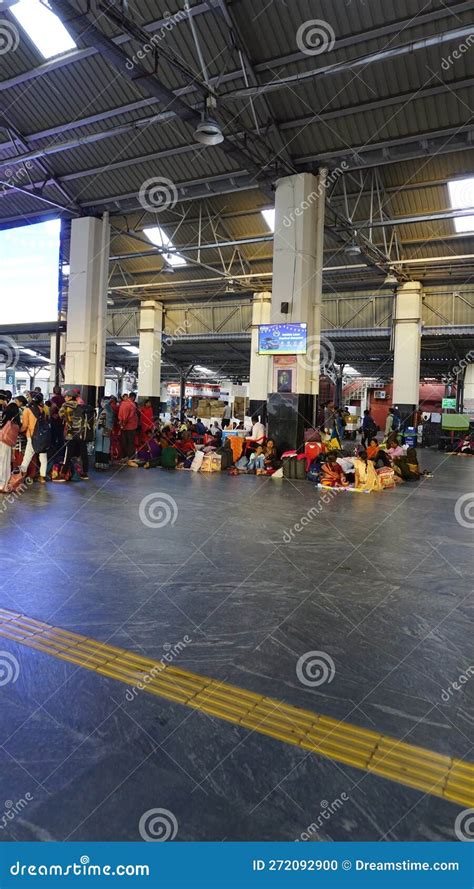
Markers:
(468, 389)
(260, 365)
(52, 354)
(87, 306)
(407, 349)
(149, 358)
(297, 281)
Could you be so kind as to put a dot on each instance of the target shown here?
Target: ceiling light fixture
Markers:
(208, 130)
(352, 248)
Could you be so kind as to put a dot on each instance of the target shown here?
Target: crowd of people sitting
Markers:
(55, 439)
(371, 465)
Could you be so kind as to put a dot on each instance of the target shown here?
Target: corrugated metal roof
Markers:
(353, 108)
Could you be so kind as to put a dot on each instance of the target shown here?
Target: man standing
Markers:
(388, 423)
(227, 415)
(128, 420)
(369, 428)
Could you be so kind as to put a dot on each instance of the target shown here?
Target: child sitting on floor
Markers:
(257, 461)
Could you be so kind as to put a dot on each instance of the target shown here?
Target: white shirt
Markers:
(258, 431)
(346, 463)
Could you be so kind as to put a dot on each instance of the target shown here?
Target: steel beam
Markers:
(83, 29)
(187, 191)
(271, 65)
(391, 151)
(418, 217)
(294, 80)
(77, 55)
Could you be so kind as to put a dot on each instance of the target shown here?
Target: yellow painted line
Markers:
(366, 749)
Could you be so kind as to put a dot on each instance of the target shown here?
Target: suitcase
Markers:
(300, 468)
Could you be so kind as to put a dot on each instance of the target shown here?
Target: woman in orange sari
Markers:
(373, 448)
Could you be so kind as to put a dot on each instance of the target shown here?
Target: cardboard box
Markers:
(240, 405)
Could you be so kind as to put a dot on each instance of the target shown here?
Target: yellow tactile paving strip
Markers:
(451, 779)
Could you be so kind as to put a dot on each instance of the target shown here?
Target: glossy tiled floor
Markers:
(380, 583)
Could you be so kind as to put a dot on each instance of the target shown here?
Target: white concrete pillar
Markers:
(298, 265)
(52, 358)
(469, 390)
(149, 359)
(407, 345)
(87, 305)
(260, 365)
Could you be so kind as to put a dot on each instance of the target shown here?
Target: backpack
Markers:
(395, 423)
(41, 438)
(82, 422)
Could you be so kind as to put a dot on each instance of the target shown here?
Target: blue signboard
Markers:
(282, 339)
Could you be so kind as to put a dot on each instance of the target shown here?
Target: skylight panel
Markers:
(461, 195)
(43, 27)
(269, 217)
(159, 237)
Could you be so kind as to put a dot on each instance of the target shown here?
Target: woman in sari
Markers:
(373, 448)
(332, 475)
(147, 422)
(366, 478)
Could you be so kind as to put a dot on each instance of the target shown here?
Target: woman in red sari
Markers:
(332, 475)
(147, 422)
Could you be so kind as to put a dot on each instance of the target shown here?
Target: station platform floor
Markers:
(377, 589)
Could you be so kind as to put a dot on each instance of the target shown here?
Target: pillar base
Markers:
(407, 415)
(259, 408)
(289, 415)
